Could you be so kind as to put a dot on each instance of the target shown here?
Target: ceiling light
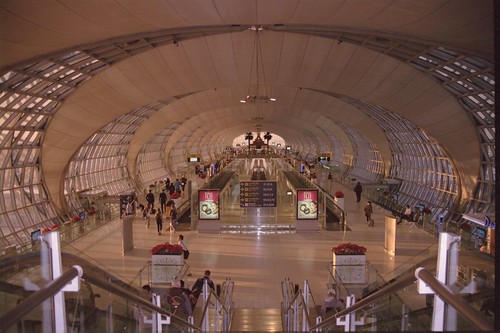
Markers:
(257, 72)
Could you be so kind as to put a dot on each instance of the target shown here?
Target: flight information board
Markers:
(258, 194)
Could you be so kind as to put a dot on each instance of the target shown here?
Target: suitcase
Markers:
(371, 223)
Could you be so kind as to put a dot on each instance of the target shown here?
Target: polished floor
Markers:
(258, 263)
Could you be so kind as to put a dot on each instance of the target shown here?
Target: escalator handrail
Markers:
(302, 301)
(110, 287)
(53, 287)
(28, 259)
(400, 282)
(394, 286)
(458, 303)
(332, 200)
(428, 263)
(225, 307)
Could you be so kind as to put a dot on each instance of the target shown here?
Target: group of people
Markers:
(180, 298)
(185, 299)
(167, 211)
(407, 215)
(368, 209)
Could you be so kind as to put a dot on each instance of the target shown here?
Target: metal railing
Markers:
(298, 308)
(403, 281)
(223, 307)
(458, 303)
(31, 302)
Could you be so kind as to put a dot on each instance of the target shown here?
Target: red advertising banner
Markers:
(307, 204)
(208, 205)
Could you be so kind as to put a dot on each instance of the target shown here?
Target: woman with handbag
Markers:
(180, 242)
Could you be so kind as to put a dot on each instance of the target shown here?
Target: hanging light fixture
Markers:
(256, 96)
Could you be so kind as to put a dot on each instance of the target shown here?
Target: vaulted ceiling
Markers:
(197, 59)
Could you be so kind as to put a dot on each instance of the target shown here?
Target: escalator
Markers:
(332, 221)
(397, 305)
(104, 303)
(258, 175)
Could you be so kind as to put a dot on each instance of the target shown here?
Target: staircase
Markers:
(256, 320)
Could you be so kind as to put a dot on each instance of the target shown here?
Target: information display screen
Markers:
(307, 204)
(208, 205)
(258, 194)
(35, 235)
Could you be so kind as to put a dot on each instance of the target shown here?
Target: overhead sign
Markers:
(258, 194)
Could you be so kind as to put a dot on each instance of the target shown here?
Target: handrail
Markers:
(297, 297)
(119, 290)
(14, 315)
(332, 199)
(400, 282)
(427, 263)
(108, 286)
(184, 206)
(224, 305)
(444, 292)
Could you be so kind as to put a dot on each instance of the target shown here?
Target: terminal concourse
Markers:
(102, 101)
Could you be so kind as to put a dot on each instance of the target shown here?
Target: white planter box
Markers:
(350, 268)
(339, 202)
(165, 268)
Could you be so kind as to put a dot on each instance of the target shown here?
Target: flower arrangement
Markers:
(339, 194)
(75, 218)
(167, 249)
(349, 248)
(51, 228)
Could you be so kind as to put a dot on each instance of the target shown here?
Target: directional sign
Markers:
(258, 194)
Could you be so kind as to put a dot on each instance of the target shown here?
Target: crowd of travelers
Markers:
(167, 210)
(178, 299)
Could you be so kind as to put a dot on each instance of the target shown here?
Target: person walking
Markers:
(172, 217)
(183, 183)
(180, 242)
(130, 208)
(147, 215)
(150, 198)
(177, 185)
(358, 189)
(368, 211)
(198, 285)
(163, 201)
(159, 221)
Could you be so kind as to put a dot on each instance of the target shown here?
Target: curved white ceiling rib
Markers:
(32, 28)
(313, 51)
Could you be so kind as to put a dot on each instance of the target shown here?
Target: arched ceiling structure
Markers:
(195, 58)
